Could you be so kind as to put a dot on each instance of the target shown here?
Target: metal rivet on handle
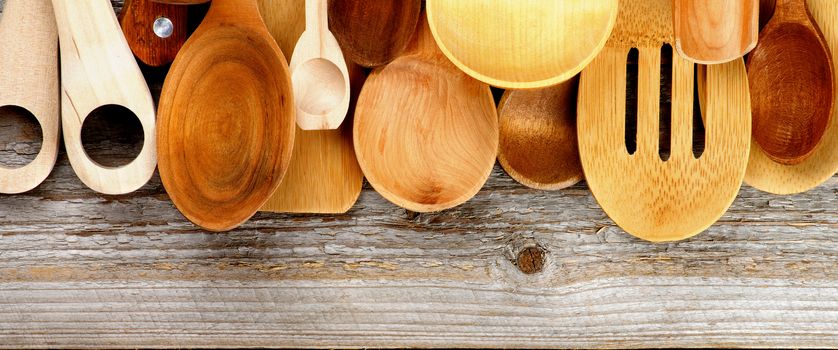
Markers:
(163, 27)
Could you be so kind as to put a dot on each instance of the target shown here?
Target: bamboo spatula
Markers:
(651, 198)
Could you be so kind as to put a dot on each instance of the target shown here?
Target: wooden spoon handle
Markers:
(791, 10)
(317, 20)
(155, 31)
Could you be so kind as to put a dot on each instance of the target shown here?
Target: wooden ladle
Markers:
(373, 33)
(426, 134)
(30, 80)
(319, 73)
(226, 119)
(792, 84)
(715, 31)
(98, 69)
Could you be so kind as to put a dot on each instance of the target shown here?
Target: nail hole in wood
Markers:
(530, 260)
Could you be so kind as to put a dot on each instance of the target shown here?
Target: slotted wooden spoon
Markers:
(373, 33)
(226, 121)
(30, 80)
(715, 31)
(648, 197)
(98, 69)
(426, 134)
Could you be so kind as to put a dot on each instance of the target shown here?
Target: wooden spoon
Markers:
(319, 73)
(538, 146)
(715, 31)
(155, 31)
(226, 121)
(323, 176)
(426, 134)
(770, 176)
(373, 33)
(98, 69)
(648, 197)
(30, 81)
(519, 44)
(792, 84)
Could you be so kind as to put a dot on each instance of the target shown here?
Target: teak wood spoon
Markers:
(319, 73)
(652, 198)
(155, 31)
(792, 84)
(538, 146)
(426, 134)
(519, 44)
(30, 81)
(98, 69)
(715, 31)
(767, 175)
(226, 120)
(373, 33)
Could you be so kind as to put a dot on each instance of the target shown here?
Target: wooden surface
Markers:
(715, 31)
(81, 269)
(137, 21)
(373, 33)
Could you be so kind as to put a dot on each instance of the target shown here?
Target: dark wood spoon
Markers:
(373, 33)
(155, 31)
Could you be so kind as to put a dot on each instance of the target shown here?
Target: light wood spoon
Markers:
(319, 73)
(373, 33)
(426, 134)
(518, 44)
(30, 80)
(715, 31)
(226, 121)
(155, 31)
(98, 69)
(648, 197)
(792, 84)
(538, 146)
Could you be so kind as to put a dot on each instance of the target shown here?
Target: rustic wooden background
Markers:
(512, 267)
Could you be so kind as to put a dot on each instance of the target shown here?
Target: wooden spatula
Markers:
(30, 80)
(651, 198)
(715, 31)
(98, 69)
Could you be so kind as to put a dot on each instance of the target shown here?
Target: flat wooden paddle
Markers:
(715, 31)
(323, 176)
(652, 198)
(518, 44)
(155, 31)
(226, 119)
(373, 33)
(98, 69)
(426, 134)
(30, 80)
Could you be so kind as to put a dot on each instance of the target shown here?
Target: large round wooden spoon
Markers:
(155, 31)
(426, 134)
(538, 146)
(226, 119)
(792, 85)
(373, 33)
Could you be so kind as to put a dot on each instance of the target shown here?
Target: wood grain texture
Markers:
(137, 22)
(520, 44)
(98, 69)
(792, 84)
(373, 33)
(538, 145)
(226, 121)
(766, 174)
(29, 80)
(425, 134)
(715, 31)
(653, 198)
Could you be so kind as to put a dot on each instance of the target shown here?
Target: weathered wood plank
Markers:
(78, 269)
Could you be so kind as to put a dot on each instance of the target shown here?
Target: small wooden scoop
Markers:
(373, 33)
(226, 121)
(792, 84)
(98, 69)
(30, 80)
(426, 134)
(715, 31)
(319, 73)
(155, 31)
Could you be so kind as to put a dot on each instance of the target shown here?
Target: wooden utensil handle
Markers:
(317, 19)
(155, 31)
(790, 9)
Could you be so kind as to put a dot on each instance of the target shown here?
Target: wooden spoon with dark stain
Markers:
(155, 31)
(792, 86)
(373, 33)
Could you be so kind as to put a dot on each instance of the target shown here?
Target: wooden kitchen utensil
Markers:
(651, 198)
(715, 31)
(30, 80)
(373, 33)
(226, 121)
(538, 146)
(426, 134)
(155, 31)
(98, 69)
(319, 73)
(323, 176)
(792, 84)
(517, 44)
(770, 176)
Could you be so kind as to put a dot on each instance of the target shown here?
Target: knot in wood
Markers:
(530, 260)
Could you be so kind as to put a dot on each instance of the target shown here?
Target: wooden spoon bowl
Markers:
(373, 33)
